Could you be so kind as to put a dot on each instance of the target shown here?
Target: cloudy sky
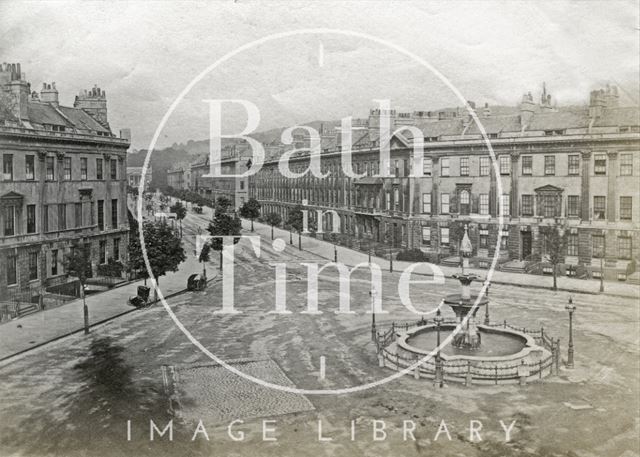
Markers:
(144, 54)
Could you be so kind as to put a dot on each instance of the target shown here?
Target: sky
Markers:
(145, 53)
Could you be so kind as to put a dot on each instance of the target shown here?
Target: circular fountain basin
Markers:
(492, 345)
(498, 345)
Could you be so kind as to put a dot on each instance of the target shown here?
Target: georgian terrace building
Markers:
(63, 181)
(193, 176)
(576, 167)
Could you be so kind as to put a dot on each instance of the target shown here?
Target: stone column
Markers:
(612, 168)
(106, 197)
(585, 196)
(435, 185)
(122, 198)
(42, 171)
(493, 207)
(514, 197)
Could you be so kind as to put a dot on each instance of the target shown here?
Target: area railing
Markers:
(465, 371)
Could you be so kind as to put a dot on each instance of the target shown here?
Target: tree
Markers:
(223, 204)
(78, 264)
(295, 220)
(164, 250)
(273, 219)
(554, 238)
(204, 257)
(224, 224)
(250, 210)
(181, 213)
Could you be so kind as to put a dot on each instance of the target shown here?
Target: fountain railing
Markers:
(467, 372)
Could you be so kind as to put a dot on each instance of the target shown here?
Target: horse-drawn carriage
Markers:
(196, 282)
(141, 300)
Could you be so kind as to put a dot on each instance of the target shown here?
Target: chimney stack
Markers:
(545, 100)
(94, 103)
(527, 109)
(49, 94)
(13, 80)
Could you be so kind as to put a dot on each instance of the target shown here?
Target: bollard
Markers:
(381, 360)
(523, 373)
(469, 377)
(416, 372)
(539, 368)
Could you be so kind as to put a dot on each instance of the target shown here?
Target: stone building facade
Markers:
(576, 169)
(134, 176)
(193, 176)
(63, 181)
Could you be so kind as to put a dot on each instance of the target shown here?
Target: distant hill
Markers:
(163, 159)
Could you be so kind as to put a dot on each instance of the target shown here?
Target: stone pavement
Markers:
(41, 327)
(352, 257)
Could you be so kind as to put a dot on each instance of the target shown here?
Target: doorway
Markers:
(526, 244)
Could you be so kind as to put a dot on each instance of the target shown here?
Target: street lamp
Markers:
(439, 377)
(486, 307)
(373, 293)
(571, 308)
(601, 273)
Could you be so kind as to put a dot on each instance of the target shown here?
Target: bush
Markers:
(112, 269)
(412, 255)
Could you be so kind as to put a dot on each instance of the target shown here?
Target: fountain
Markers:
(463, 303)
(471, 352)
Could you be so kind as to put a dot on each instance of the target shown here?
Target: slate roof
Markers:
(623, 116)
(82, 120)
(40, 113)
(559, 120)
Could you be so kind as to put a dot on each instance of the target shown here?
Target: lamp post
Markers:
(439, 377)
(601, 273)
(372, 293)
(571, 308)
(390, 259)
(369, 256)
(486, 307)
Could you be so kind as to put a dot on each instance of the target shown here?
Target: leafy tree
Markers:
(204, 258)
(164, 250)
(223, 204)
(250, 210)
(78, 263)
(181, 213)
(149, 207)
(554, 238)
(273, 219)
(224, 224)
(295, 221)
(295, 218)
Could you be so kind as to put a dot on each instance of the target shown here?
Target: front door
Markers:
(526, 244)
